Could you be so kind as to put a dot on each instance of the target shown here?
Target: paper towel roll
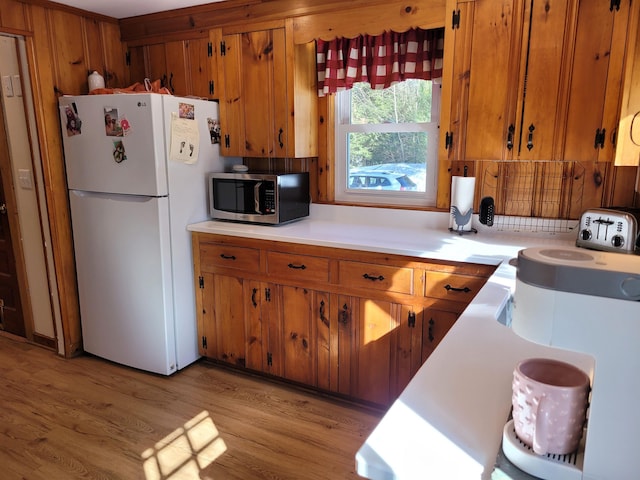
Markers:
(462, 193)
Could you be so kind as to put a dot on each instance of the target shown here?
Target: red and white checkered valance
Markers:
(379, 60)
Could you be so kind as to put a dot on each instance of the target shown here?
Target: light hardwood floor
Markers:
(91, 419)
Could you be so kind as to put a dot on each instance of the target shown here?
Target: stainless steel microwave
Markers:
(268, 198)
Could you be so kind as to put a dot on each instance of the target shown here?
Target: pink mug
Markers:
(550, 400)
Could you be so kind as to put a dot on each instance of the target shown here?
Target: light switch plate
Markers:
(7, 87)
(25, 180)
(17, 85)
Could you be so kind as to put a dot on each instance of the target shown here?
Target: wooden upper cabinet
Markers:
(596, 56)
(182, 66)
(267, 95)
(628, 134)
(513, 80)
(536, 80)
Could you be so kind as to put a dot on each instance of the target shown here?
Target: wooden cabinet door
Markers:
(375, 323)
(436, 324)
(177, 68)
(232, 100)
(486, 77)
(200, 80)
(540, 86)
(596, 76)
(181, 66)
(299, 355)
(515, 80)
(229, 332)
(343, 324)
(155, 59)
(254, 81)
(407, 348)
(255, 326)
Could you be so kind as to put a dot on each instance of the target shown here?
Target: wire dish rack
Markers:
(534, 196)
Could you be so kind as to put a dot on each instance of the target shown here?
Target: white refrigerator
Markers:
(136, 168)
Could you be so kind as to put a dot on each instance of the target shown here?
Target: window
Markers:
(387, 143)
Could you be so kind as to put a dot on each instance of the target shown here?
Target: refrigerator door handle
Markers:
(114, 196)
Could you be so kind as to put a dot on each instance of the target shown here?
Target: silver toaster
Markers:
(609, 230)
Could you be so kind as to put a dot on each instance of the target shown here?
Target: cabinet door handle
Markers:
(530, 137)
(512, 131)
(430, 332)
(280, 132)
(253, 297)
(227, 257)
(411, 319)
(173, 90)
(456, 289)
(297, 267)
(373, 278)
(323, 319)
(343, 316)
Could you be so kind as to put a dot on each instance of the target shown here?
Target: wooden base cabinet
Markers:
(356, 324)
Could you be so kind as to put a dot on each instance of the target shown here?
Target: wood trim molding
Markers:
(66, 8)
(429, 13)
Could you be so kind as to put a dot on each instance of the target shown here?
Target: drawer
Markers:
(379, 277)
(214, 255)
(298, 267)
(451, 286)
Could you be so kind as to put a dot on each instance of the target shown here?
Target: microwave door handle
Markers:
(256, 197)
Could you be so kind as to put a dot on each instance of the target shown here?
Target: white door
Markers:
(123, 263)
(114, 143)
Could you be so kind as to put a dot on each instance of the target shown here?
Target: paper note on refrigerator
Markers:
(185, 140)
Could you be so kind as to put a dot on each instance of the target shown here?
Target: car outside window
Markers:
(387, 144)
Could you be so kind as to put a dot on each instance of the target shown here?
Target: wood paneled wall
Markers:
(63, 45)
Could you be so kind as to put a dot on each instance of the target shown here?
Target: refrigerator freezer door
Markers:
(98, 160)
(123, 260)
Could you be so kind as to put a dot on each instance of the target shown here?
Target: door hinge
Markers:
(614, 4)
(600, 138)
(127, 58)
(269, 359)
(209, 49)
(455, 19)
(201, 281)
(204, 342)
(411, 319)
(210, 87)
(227, 143)
(223, 49)
(448, 140)
(267, 294)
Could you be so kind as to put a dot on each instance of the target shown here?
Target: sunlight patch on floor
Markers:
(185, 452)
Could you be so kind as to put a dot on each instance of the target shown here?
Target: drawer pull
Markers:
(454, 289)
(297, 267)
(323, 318)
(372, 278)
(227, 257)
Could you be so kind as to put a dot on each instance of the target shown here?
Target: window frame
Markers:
(342, 127)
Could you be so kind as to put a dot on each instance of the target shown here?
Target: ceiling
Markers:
(131, 8)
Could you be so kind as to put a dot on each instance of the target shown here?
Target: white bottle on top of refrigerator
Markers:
(136, 171)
